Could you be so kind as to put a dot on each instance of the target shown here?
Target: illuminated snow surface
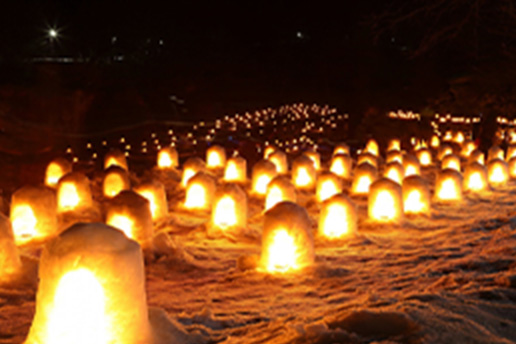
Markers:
(446, 278)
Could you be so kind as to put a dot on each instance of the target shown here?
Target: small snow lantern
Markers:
(154, 192)
(303, 173)
(511, 152)
(497, 172)
(236, 170)
(424, 156)
(190, 168)
(394, 171)
(130, 213)
(115, 157)
(394, 156)
(451, 161)
(280, 189)
(411, 165)
(416, 195)
(328, 184)
(263, 172)
(495, 152)
(341, 165)
(167, 158)
(372, 147)
(199, 192)
(229, 212)
(269, 149)
(435, 142)
(475, 177)
(287, 242)
(365, 174)
(74, 193)
(33, 213)
(385, 202)
(467, 148)
(91, 289)
(367, 158)
(444, 150)
(116, 180)
(315, 157)
(477, 156)
(10, 262)
(394, 145)
(458, 137)
(215, 157)
(338, 217)
(279, 159)
(341, 148)
(448, 185)
(512, 168)
(55, 170)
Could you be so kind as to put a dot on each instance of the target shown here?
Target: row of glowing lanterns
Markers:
(102, 313)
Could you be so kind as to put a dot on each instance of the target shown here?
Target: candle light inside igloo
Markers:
(280, 189)
(448, 186)
(55, 170)
(167, 158)
(236, 170)
(116, 180)
(385, 200)
(199, 192)
(338, 217)
(475, 177)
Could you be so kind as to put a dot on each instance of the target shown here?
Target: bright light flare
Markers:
(123, 223)
(384, 206)
(24, 223)
(68, 197)
(225, 213)
(335, 222)
(283, 252)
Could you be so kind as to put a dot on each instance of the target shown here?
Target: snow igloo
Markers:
(451, 161)
(385, 201)
(116, 179)
(33, 213)
(424, 155)
(263, 172)
(215, 157)
(115, 157)
(236, 170)
(328, 184)
(10, 263)
(303, 173)
(341, 148)
(341, 164)
(279, 159)
(154, 192)
(475, 177)
(199, 192)
(338, 217)
(497, 172)
(229, 211)
(364, 175)
(74, 193)
(394, 171)
(416, 195)
(191, 167)
(167, 158)
(55, 170)
(287, 242)
(280, 189)
(411, 165)
(448, 186)
(81, 297)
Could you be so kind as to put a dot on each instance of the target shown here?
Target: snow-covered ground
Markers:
(446, 278)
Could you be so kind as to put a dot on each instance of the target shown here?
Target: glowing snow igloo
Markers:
(55, 170)
(263, 172)
(444, 150)
(191, 167)
(451, 161)
(115, 157)
(448, 186)
(341, 148)
(394, 145)
(338, 217)
(199, 192)
(33, 213)
(269, 149)
(154, 192)
(497, 172)
(10, 262)
(367, 158)
(236, 170)
(364, 175)
(287, 242)
(215, 157)
(91, 289)
(131, 213)
(411, 165)
(475, 177)
(424, 156)
(394, 156)
(74, 193)
(435, 142)
(280, 189)
(229, 211)
(167, 158)
(116, 179)
(372, 147)
(495, 152)
(315, 157)
(279, 159)
(385, 201)
(416, 195)
(328, 184)
(394, 171)
(303, 173)
(467, 148)
(341, 165)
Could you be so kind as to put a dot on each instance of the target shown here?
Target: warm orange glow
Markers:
(274, 196)
(225, 215)
(448, 186)
(434, 141)
(451, 161)
(24, 223)
(367, 158)
(68, 197)
(459, 137)
(394, 171)
(316, 159)
(448, 190)
(122, 222)
(282, 252)
(231, 173)
(511, 152)
(384, 206)
(167, 158)
(341, 148)
(475, 182)
(263, 172)
(413, 202)
(372, 147)
(187, 174)
(497, 172)
(362, 185)
(303, 178)
(53, 174)
(394, 156)
(195, 196)
(151, 197)
(215, 157)
(467, 148)
(394, 145)
(190, 168)
(328, 185)
(425, 157)
(411, 169)
(78, 313)
(444, 150)
(341, 165)
(113, 184)
(279, 159)
(495, 152)
(512, 168)
(335, 222)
